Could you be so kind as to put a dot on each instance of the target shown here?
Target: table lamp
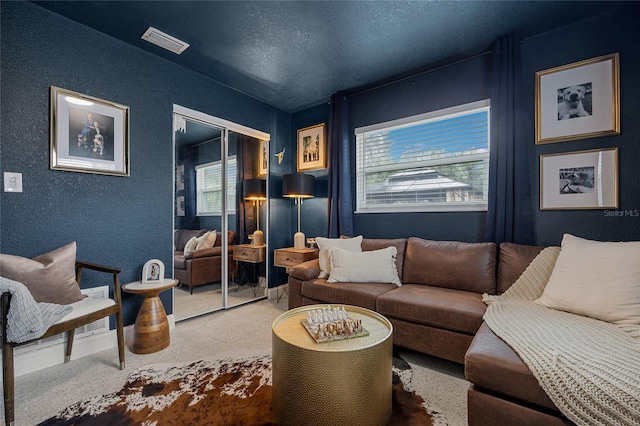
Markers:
(298, 186)
(255, 190)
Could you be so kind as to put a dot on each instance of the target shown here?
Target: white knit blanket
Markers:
(28, 319)
(589, 368)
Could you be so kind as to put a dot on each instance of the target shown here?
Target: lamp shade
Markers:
(298, 185)
(254, 189)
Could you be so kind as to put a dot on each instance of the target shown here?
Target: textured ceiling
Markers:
(295, 54)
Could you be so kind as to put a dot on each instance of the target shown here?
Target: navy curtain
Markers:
(509, 214)
(340, 198)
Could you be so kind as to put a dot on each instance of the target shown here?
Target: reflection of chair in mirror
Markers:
(203, 266)
(84, 312)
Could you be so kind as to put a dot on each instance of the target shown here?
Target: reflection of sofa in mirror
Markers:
(200, 266)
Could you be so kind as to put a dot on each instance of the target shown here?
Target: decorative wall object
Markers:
(263, 158)
(180, 205)
(280, 155)
(153, 272)
(180, 177)
(88, 134)
(312, 148)
(579, 180)
(579, 100)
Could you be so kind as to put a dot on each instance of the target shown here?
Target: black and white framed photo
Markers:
(312, 148)
(153, 272)
(578, 101)
(88, 134)
(579, 180)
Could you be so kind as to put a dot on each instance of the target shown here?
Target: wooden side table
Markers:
(151, 330)
(249, 254)
(288, 257)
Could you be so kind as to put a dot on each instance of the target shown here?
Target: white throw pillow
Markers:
(596, 279)
(206, 240)
(376, 266)
(191, 245)
(324, 244)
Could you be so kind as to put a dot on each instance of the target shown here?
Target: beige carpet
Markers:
(240, 332)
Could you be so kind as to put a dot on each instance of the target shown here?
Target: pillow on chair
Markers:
(191, 245)
(50, 277)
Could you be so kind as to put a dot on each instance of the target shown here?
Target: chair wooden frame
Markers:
(67, 327)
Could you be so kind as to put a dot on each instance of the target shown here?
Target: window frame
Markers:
(465, 109)
(231, 187)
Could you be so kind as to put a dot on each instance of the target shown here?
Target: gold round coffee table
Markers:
(346, 382)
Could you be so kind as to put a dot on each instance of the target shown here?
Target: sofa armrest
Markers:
(306, 271)
(208, 252)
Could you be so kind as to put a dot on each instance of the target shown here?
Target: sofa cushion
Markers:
(179, 262)
(513, 260)
(491, 364)
(324, 244)
(207, 240)
(440, 307)
(357, 294)
(596, 279)
(50, 277)
(400, 244)
(377, 266)
(181, 236)
(451, 264)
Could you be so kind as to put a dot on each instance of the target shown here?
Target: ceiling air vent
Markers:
(157, 37)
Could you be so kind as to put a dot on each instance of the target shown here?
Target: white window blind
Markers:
(209, 188)
(437, 161)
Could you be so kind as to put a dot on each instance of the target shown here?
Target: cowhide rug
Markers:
(225, 392)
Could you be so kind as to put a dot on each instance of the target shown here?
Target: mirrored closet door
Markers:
(220, 252)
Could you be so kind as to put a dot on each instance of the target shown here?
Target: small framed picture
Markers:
(263, 158)
(88, 134)
(180, 205)
(579, 180)
(180, 177)
(578, 101)
(153, 271)
(312, 148)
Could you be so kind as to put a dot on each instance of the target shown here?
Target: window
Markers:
(209, 188)
(437, 161)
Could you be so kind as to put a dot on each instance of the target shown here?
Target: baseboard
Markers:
(37, 358)
(273, 293)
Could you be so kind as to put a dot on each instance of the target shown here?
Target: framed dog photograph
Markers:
(263, 158)
(88, 134)
(579, 180)
(578, 101)
(153, 272)
(312, 148)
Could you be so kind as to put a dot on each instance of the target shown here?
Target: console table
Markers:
(151, 330)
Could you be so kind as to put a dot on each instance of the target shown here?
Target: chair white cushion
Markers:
(207, 240)
(87, 306)
(596, 279)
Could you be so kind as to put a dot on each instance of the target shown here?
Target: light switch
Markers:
(12, 182)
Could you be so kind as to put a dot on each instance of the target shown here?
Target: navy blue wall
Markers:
(469, 81)
(115, 220)
(618, 32)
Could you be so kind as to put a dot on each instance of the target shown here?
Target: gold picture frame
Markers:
(579, 180)
(312, 148)
(263, 158)
(579, 100)
(88, 134)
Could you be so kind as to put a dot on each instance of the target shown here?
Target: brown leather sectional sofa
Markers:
(202, 266)
(438, 311)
